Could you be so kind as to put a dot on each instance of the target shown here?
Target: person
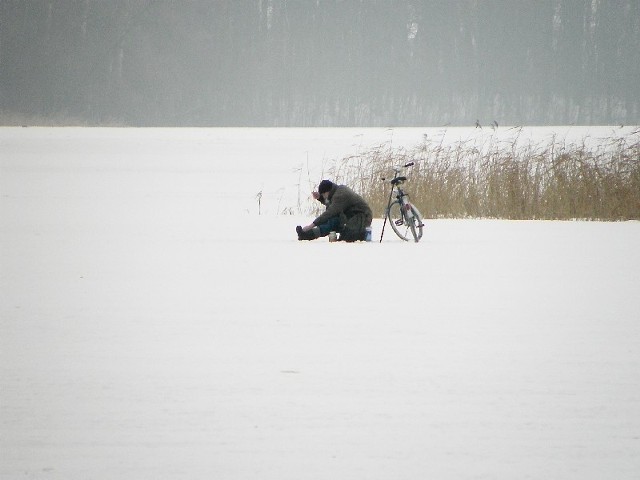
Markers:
(347, 213)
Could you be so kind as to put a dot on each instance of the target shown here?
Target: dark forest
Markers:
(322, 63)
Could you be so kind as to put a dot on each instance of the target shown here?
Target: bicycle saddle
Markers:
(398, 181)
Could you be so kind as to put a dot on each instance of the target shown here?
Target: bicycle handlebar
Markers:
(398, 168)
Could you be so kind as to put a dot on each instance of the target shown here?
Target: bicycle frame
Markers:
(407, 210)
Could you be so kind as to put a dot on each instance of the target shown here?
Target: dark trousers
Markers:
(352, 230)
(331, 225)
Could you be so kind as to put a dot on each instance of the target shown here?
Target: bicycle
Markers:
(404, 217)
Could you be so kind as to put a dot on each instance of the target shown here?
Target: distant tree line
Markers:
(319, 62)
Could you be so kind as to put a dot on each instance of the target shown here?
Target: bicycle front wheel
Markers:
(407, 226)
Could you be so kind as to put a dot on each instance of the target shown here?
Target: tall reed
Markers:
(497, 179)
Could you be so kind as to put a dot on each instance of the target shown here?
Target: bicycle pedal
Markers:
(399, 222)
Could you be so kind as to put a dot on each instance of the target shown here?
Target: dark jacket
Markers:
(354, 213)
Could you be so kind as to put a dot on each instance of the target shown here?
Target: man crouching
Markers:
(347, 213)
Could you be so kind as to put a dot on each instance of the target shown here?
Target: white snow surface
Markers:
(154, 326)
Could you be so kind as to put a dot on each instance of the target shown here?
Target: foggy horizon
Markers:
(328, 63)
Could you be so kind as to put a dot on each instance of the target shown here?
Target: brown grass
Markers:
(551, 180)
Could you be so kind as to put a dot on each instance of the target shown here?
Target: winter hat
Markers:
(325, 186)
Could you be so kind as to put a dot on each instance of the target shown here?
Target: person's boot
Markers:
(302, 235)
(308, 235)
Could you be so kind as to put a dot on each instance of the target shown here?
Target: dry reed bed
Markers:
(498, 179)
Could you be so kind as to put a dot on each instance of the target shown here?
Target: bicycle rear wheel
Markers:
(406, 228)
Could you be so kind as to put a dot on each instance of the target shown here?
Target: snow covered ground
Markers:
(152, 325)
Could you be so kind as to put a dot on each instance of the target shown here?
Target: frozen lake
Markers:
(152, 325)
